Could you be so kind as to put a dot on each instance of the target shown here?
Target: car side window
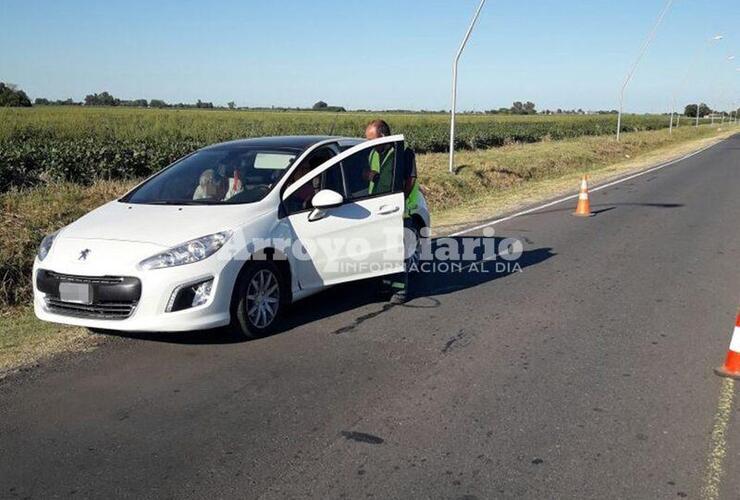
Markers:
(329, 179)
(370, 172)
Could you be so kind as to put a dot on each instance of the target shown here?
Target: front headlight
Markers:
(46, 244)
(187, 253)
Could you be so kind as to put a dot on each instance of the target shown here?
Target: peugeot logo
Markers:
(83, 254)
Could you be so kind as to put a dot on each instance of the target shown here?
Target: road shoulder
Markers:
(529, 195)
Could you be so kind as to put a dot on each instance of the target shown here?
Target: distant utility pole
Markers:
(454, 84)
(698, 112)
(643, 49)
(725, 86)
(690, 67)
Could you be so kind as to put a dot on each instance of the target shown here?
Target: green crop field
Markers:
(86, 144)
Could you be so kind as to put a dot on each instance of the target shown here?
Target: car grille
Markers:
(114, 297)
(93, 280)
(94, 311)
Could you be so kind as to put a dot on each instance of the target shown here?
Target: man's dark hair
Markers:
(381, 126)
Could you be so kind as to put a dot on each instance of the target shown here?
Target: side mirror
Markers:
(323, 200)
(326, 198)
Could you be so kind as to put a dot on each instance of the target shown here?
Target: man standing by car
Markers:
(380, 176)
(380, 171)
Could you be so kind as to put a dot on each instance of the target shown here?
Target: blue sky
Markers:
(362, 54)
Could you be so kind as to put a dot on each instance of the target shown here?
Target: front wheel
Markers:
(259, 300)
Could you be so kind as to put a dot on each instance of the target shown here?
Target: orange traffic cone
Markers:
(731, 368)
(583, 209)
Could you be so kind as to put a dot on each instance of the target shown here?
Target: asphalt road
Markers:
(586, 375)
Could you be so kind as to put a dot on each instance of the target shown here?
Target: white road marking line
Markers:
(714, 472)
(574, 196)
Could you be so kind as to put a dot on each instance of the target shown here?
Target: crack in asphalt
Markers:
(358, 321)
(462, 339)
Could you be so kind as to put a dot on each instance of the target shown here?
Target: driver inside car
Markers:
(301, 199)
(209, 187)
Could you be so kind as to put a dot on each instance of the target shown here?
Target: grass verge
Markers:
(497, 181)
(30, 214)
(24, 340)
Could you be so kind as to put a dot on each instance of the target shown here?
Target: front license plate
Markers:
(78, 293)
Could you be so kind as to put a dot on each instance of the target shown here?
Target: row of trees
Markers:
(704, 110)
(529, 108)
(106, 99)
(11, 95)
(322, 106)
(517, 108)
(42, 101)
(690, 110)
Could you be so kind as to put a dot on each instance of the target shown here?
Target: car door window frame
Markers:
(284, 212)
(398, 157)
(338, 159)
(309, 209)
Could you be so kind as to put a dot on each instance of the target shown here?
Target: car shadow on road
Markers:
(598, 208)
(436, 277)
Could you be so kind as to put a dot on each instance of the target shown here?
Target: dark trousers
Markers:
(401, 282)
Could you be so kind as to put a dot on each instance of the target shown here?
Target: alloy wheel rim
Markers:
(263, 298)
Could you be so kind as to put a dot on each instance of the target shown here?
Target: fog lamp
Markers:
(193, 295)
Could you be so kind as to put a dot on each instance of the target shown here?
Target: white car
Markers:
(229, 235)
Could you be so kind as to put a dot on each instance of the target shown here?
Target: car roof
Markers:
(296, 142)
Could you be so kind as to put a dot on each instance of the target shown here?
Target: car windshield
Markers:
(216, 177)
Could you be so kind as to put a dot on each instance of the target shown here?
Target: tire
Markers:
(259, 300)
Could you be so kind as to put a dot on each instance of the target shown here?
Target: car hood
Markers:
(163, 225)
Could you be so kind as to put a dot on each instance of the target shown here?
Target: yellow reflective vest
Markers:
(384, 182)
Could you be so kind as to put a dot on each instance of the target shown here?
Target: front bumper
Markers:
(148, 312)
(109, 297)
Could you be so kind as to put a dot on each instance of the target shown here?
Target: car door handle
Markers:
(388, 209)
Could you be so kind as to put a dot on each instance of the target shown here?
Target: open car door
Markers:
(347, 215)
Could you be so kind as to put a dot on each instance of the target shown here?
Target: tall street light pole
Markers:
(725, 89)
(698, 105)
(454, 85)
(643, 49)
(694, 60)
(732, 120)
